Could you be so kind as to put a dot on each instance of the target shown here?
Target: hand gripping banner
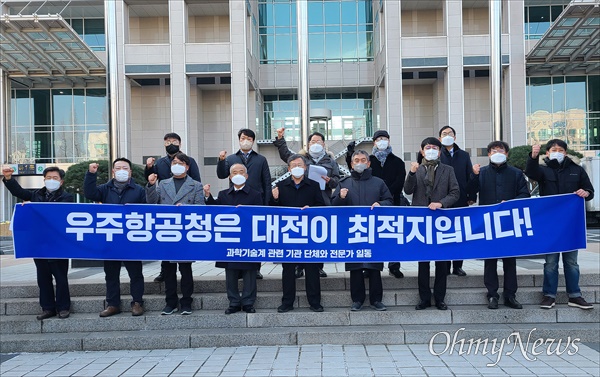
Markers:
(320, 234)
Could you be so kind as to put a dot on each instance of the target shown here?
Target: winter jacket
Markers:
(363, 190)
(445, 187)
(162, 168)
(327, 161)
(308, 193)
(463, 168)
(497, 183)
(231, 197)
(108, 193)
(555, 178)
(164, 192)
(37, 195)
(259, 176)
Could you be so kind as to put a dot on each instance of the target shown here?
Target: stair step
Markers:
(271, 300)
(301, 317)
(235, 337)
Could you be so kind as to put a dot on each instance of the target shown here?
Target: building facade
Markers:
(81, 78)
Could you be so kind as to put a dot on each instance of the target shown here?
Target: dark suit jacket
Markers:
(445, 187)
(259, 175)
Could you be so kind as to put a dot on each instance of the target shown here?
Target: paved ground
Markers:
(312, 360)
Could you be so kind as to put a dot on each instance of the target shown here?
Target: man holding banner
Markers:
(298, 191)
(47, 268)
(363, 189)
(433, 185)
(497, 183)
(119, 190)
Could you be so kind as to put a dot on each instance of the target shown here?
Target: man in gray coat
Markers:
(432, 185)
(363, 189)
(181, 189)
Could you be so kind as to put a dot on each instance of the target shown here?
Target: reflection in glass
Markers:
(62, 106)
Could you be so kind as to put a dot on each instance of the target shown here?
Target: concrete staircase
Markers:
(208, 326)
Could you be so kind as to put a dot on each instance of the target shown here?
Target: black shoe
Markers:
(259, 276)
(322, 273)
(441, 305)
(46, 314)
(284, 308)
(249, 309)
(186, 310)
(492, 303)
(378, 305)
(397, 274)
(459, 271)
(160, 278)
(64, 314)
(512, 302)
(316, 308)
(356, 306)
(232, 309)
(423, 305)
(299, 272)
(168, 310)
(548, 302)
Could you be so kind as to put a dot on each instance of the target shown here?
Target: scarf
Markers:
(382, 155)
(319, 157)
(120, 186)
(429, 176)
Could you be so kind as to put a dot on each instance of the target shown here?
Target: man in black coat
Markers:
(298, 191)
(461, 162)
(497, 183)
(560, 175)
(238, 194)
(47, 268)
(162, 169)
(363, 189)
(389, 167)
(119, 190)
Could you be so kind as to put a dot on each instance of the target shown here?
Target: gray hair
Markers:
(360, 151)
(234, 165)
(295, 157)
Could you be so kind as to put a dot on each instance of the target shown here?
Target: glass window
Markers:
(558, 94)
(332, 12)
(349, 47)
(281, 13)
(96, 107)
(540, 94)
(349, 15)
(575, 93)
(594, 94)
(78, 106)
(21, 109)
(62, 106)
(539, 20)
(77, 25)
(315, 13)
(41, 106)
(94, 33)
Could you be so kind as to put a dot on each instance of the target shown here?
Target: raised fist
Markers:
(150, 162)
(343, 193)
(94, 167)
(476, 169)
(351, 145)
(206, 190)
(275, 193)
(152, 178)
(7, 172)
(280, 132)
(222, 155)
(414, 166)
(535, 151)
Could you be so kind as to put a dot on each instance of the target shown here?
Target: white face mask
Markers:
(246, 145)
(558, 156)
(51, 184)
(315, 150)
(359, 168)
(297, 172)
(122, 176)
(177, 169)
(498, 158)
(382, 144)
(447, 141)
(431, 154)
(238, 179)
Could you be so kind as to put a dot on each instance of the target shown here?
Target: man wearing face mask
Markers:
(317, 155)
(298, 191)
(120, 190)
(238, 194)
(432, 185)
(162, 168)
(363, 189)
(560, 175)
(47, 268)
(461, 162)
(181, 189)
(497, 183)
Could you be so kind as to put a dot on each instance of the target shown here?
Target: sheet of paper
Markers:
(315, 172)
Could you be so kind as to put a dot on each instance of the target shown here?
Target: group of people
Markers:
(442, 177)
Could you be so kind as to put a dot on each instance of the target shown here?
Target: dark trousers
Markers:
(248, 290)
(454, 264)
(393, 266)
(187, 284)
(46, 269)
(312, 283)
(439, 285)
(112, 270)
(490, 277)
(321, 265)
(358, 290)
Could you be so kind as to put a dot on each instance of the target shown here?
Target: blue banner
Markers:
(277, 234)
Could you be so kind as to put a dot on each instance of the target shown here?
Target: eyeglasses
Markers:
(497, 151)
(175, 142)
(315, 142)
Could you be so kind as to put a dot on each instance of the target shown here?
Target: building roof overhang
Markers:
(44, 48)
(571, 44)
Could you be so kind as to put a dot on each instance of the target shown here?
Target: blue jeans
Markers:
(571, 270)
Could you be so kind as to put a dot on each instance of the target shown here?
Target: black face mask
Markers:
(172, 149)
